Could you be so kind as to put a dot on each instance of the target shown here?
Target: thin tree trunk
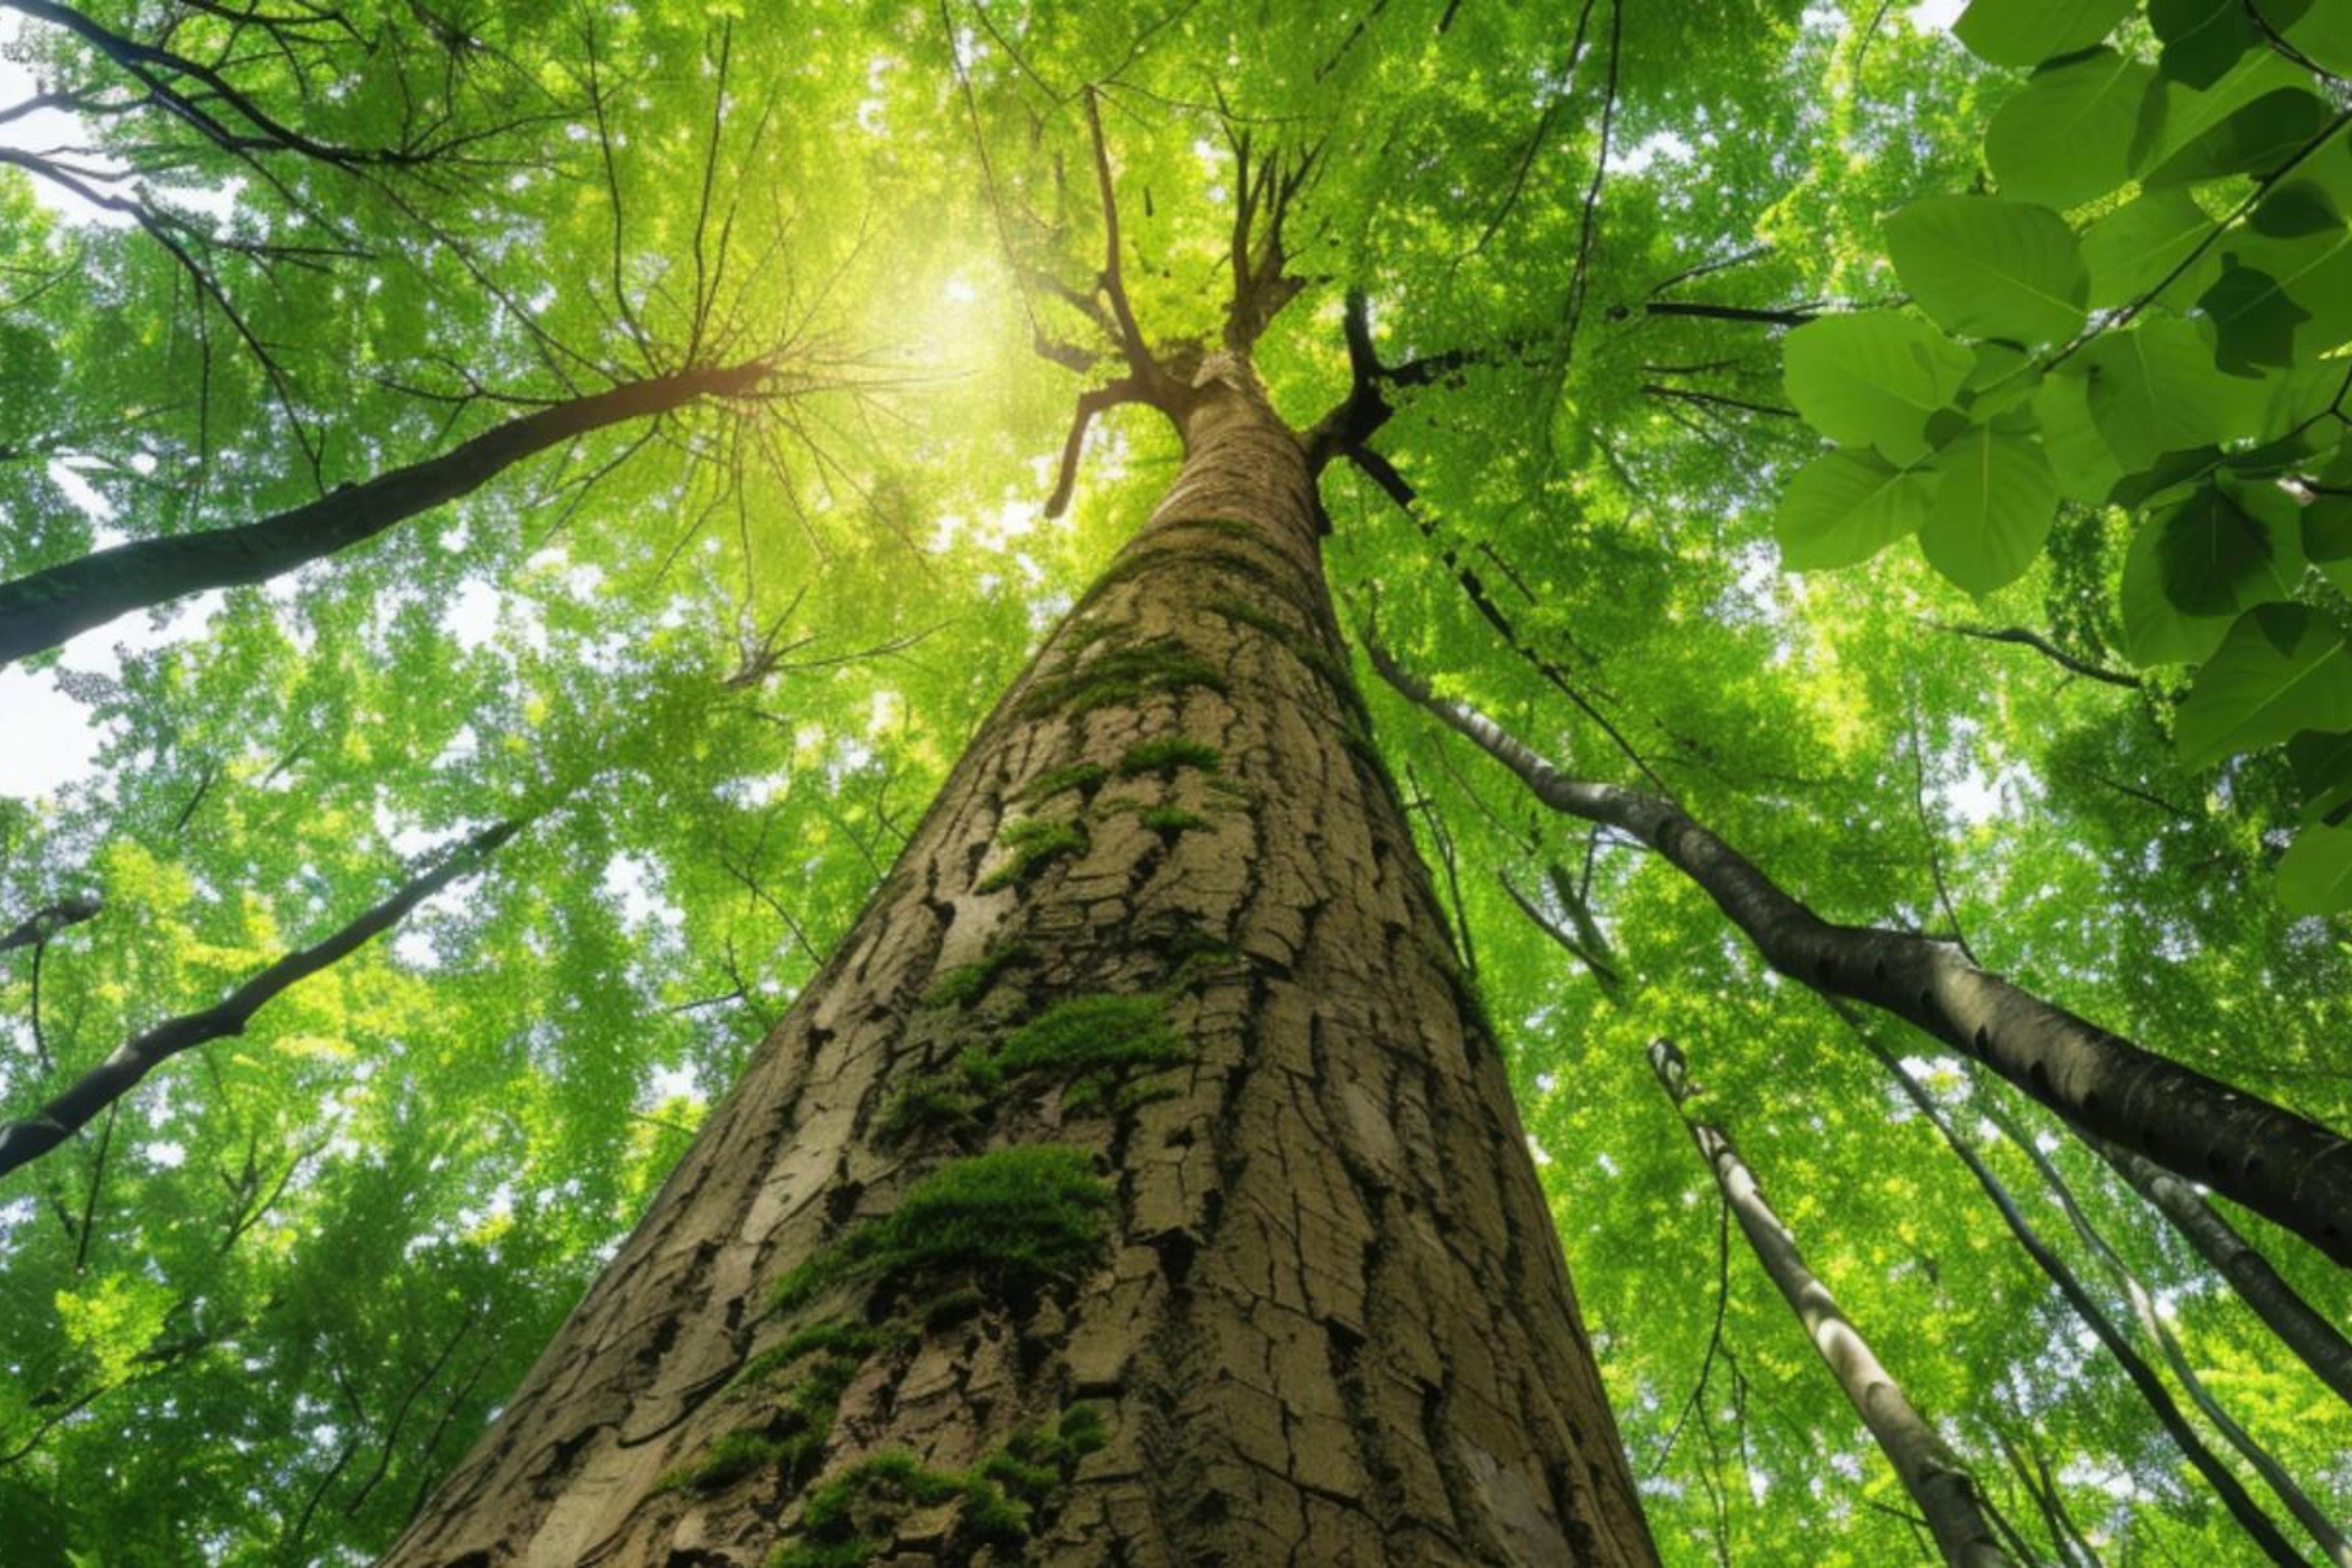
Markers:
(1164, 922)
(44, 608)
(2274, 1475)
(2311, 1336)
(1947, 1494)
(2218, 1476)
(2277, 1163)
(2065, 1537)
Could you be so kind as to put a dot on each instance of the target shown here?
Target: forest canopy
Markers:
(510, 511)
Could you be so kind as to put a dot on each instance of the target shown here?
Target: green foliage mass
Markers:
(2065, 295)
(2191, 178)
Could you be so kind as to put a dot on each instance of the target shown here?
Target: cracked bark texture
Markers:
(1332, 1326)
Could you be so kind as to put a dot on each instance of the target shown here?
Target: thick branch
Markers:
(24, 1142)
(1096, 400)
(42, 609)
(1795, 318)
(2025, 636)
(2277, 1163)
(44, 923)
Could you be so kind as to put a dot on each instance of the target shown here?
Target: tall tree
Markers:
(257, 260)
(1136, 1185)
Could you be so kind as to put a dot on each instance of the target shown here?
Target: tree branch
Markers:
(2025, 636)
(99, 1089)
(47, 921)
(45, 607)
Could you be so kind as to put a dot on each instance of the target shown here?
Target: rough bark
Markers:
(1328, 1321)
(1941, 1485)
(2281, 1166)
(2319, 1343)
(44, 608)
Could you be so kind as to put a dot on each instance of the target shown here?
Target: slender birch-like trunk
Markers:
(1941, 1485)
(2280, 1164)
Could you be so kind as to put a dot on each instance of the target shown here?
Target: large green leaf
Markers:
(2297, 295)
(2155, 630)
(2202, 38)
(2137, 248)
(2280, 669)
(2254, 139)
(2068, 135)
(1991, 268)
(2078, 454)
(2179, 116)
(2154, 388)
(1844, 507)
(2254, 320)
(1995, 501)
(2315, 875)
(2323, 35)
(2327, 538)
(1873, 378)
(2027, 32)
(2229, 547)
(2323, 772)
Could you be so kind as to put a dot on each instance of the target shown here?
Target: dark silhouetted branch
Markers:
(99, 1089)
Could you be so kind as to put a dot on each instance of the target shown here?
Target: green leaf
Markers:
(2027, 32)
(2280, 669)
(2178, 116)
(2228, 547)
(2252, 139)
(2323, 36)
(2302, 252)
(2155, 630)
(1873, 378)
(1844, 507)
(2078, 454)
(2323, 772)
(1995, 501)
(2135, 248)
(2202, 38)
(2327, 538)
(1986, 268)
(2068, 135)
(2254, 318)
(2315, 875)
(2154, 388)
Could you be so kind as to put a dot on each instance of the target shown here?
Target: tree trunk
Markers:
(2242, 1508)
(2281, 1166)
(2297, 1324)
(1936, 1481)
(1164, 924)
(2274, 1475)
